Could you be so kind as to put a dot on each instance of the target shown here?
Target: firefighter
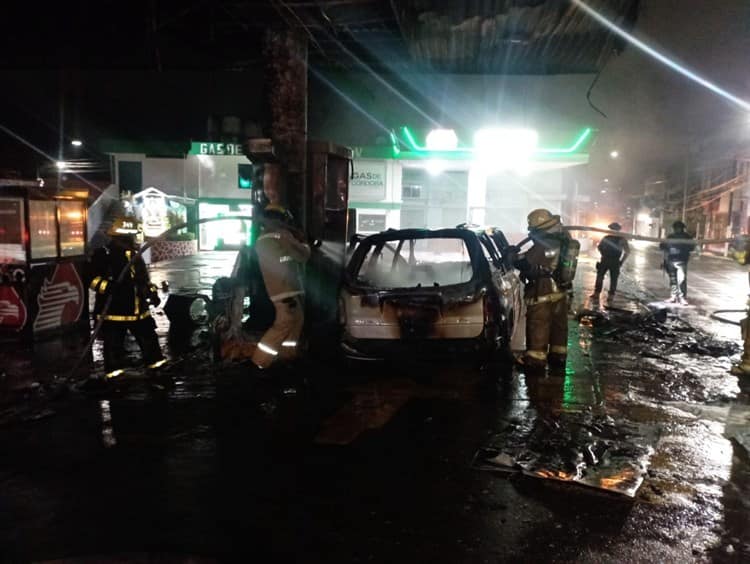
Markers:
(548, 269)
(742, 368)
(281, 253)
(124, 306)
(613, 251)
(677, 250)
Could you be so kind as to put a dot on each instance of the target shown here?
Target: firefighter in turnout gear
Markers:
(742, 368)
(548, 269)
(613, 250)
(677, 249)
(281, 252)
(124, 306)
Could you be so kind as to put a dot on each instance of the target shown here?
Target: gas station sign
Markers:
(216, 149)
(368, 181)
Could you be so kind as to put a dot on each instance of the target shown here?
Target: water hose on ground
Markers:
(724, 319)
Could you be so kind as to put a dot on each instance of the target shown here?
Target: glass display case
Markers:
(42, 260)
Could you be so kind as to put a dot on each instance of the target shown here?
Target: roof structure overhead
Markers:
(470, 36)
(511, 36)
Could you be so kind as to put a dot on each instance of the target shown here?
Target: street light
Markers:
(76, 142)
(614, 154)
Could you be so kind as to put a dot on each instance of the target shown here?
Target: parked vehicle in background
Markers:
(429, 294)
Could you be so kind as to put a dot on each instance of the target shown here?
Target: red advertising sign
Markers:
(12, 309)
(60, 299)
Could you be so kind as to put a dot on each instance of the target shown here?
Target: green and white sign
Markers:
(216, 149)
(368, 181)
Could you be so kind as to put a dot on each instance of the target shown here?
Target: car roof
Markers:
(460, 231)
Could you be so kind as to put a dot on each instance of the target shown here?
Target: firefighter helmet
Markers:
(125, 225)
(614, 226)
(541, 220)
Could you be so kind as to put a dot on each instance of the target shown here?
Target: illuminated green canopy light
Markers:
(415, 150)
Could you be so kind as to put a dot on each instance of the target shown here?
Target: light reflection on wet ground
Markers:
(213, 459)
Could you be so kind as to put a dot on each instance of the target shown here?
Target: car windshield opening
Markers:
(409, 263)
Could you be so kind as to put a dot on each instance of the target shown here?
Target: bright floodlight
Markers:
(501, 148)
(61, 164)
(442, 140)
(606, 180)
(76, 142)
(614, 154)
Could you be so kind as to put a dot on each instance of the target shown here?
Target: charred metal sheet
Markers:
(592, 451)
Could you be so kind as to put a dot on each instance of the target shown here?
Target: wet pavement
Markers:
(633, 453)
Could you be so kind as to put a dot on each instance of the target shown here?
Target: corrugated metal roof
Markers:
(470, 36)
(510, 36)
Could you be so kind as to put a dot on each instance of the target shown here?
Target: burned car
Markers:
(429, 293)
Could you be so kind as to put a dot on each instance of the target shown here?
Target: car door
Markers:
(512, 286)
(499, 282)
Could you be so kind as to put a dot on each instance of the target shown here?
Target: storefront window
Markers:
(43, 229)
(72, 232)
(224, 235)
(371, 223)
(11, 230)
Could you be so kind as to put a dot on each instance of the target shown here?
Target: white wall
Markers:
(165, 175)
(216, 177)
(192, 177)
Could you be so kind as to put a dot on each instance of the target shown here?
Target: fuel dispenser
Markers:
(323, 215)
(328, 222)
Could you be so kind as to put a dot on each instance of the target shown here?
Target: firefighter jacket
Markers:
(538, 266)
(131, 297)
(281, 256)
(677, 247)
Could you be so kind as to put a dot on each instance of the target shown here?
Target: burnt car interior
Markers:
(415, 262)
(419, 258)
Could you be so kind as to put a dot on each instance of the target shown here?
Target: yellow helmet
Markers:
(542, 219)
(124, 226)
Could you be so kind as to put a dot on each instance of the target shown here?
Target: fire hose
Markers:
(724, 319)
(633, 236)
(121, 276)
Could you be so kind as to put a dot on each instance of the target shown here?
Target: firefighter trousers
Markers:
(677, 272)
(547, 332)
(280, 341)
(113, 336)
(611, 266)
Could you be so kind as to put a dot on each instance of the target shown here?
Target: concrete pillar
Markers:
(286, 92)
(476, 200)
